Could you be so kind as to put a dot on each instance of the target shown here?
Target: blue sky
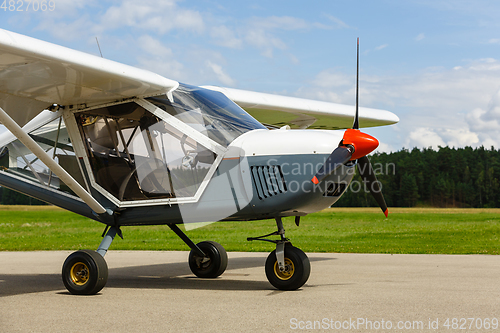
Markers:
(433, 63)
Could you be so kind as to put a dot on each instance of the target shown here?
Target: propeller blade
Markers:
(355, 125)
(338, 157)
(355, 145)
(367, 174)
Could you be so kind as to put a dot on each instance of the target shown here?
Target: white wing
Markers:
(304, 113)
(35, 74)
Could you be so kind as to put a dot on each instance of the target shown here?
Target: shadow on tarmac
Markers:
(161, 276)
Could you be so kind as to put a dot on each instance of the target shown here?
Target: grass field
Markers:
(358, 230)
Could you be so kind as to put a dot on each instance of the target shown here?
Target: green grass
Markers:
(419, 230)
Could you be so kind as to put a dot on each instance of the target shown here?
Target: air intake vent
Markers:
(335, 190)
(268, 180)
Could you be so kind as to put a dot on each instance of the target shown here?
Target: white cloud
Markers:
(439, 91)
(486, 123)
(339, 23)
(438, 106)
(159, 17)
(68, 21)
(67, 8)
(153, 46)
(420, 37)
(264, 41)
(187, 19)
(493, 111)
(224, 36)
(221, 75)
(381, 47)
(294, 60)
(167, 67)
(77, 29)
(333, 79)
(455, 100)
(424, 137)
(279, 23)
(74, 20)
(261, 32)
(460, 137)
(158, 58)
(435, 89)
(485, 64)
(322, 26)
(454, 11)
(384, 148)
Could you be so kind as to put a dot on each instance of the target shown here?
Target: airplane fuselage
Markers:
(191, 157)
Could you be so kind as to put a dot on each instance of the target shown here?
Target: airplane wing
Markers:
(35, 75)
(278, 111)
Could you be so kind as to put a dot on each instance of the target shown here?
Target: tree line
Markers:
(449, 177)
(10, 197)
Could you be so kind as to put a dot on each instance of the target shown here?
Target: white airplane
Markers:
(125, 146)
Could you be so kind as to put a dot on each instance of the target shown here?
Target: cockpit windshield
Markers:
(209, 112)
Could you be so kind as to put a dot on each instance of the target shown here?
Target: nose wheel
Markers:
(287, 267)
(295, 273)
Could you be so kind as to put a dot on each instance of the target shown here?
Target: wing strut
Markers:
(22, 136)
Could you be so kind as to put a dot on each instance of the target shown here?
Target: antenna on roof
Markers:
(99, 47)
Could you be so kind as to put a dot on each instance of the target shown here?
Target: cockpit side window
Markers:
(134, 155)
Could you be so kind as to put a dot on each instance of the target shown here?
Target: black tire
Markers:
(297, 270)
(84, 272)
(211, 266)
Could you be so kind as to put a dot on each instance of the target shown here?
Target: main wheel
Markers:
(84, 272)
(297, 269)
(211, 266)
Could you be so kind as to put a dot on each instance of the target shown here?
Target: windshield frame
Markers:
(167, 118)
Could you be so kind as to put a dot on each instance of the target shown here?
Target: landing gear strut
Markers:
(207, 259)
(85, 272)
(287, 267)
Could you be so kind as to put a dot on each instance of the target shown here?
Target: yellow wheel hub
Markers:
(287, 273)
(79, 273)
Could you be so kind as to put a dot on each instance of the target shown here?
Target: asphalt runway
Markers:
(156, 292)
